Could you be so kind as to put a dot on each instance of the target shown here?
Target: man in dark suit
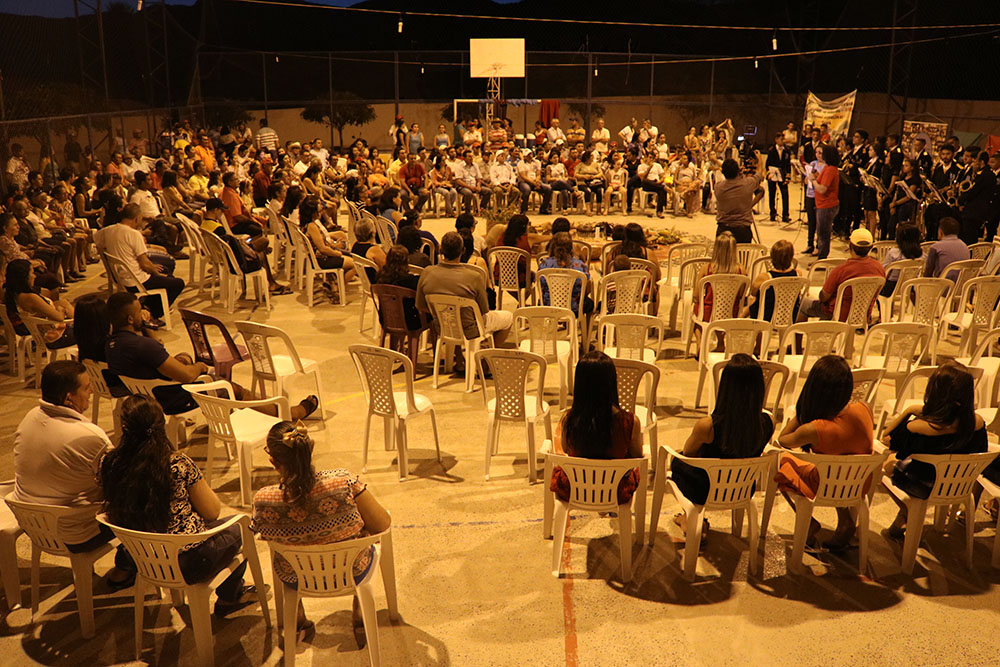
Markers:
(945, 173)
(923, 158)
(779, 157)
(976, 202)
(993, 217)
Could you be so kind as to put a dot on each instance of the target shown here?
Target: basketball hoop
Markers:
(493, 59)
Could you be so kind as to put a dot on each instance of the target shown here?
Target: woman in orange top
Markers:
(826, 421)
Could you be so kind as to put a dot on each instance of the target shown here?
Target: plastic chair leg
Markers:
(754, 535)
(434, 428)
(245, 456)
(737, 521)
(659, 487)
(288, 612)
(389, 434)
(863, 521)
(83, 582)
(995, 561)
(401, 453)
(625, 541)
(9, 571)
(492, 428)
(364, 443)
(437, 362)
(139, 593)
(387, 565)
(916, 514)
(532, 457)
(366, 599)
(36, 557)
(702, 372)
(548, 502)
(561, 518)
(803, 513)
(250, 553)
(692, 542)
(970, 528)
(201, 621)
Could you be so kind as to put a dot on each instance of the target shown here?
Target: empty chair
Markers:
(235, 424)
(156, 556)
(681, 295)
(221, 356)
(593, 487)
(508, 264)
(922, 300)
(727, 293)
(448, 313)
(961, 272)
(41, 524)
(199, 261)
(629, 336)
(895, 347)
(364, 265)
(274, 369)
(980, 250)
(732, 486)
(738, 336)
(327, 571)
(512, 403)
(631, 373)
(375, 367)
(974, 311)
(551, 333)
(987, 358)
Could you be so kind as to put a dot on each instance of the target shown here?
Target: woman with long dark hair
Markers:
(907, 247)
(21, 297)
(595, 427)
(150, 487)
(293, 197)
(308, 507)
(736, 429)
(826, 421)
(946, 423)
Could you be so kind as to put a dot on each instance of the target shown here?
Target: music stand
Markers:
(797, 166)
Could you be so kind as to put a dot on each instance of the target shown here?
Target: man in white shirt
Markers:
(600, 138)
(651, 172)
(468, 183)
(160, 230)
(529, 177)
(629, 133)
(302, 166)
(129, 167)
(503, 180)
(648, 133)
(319, 152)
(57, 454)
(125, 242)
(555, 132)
(17, 166)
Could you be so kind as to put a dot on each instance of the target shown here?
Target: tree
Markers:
(347, 109)
(227, 113)
(596, 110)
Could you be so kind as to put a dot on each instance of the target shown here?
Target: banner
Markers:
(835, 113)
(934, 134)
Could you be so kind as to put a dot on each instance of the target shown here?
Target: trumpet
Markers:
(965, 186)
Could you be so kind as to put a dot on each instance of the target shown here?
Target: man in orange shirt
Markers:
(205, 152)
(241, 221)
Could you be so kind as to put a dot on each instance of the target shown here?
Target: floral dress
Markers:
(329, 514)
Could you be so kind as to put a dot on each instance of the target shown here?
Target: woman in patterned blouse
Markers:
(150, 487)
(309, 507)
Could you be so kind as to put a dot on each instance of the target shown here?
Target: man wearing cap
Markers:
(858, 265)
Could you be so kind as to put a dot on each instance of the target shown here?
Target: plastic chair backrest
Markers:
(508, 259)
(764, 264)
(640, 264)
(980, 250)
(955, 475)
(773, 372)
(545, 326)
(866, 382)
(785, 293)
(258, 339)
(988, 347)
(325, 570)
(822, 266)
(95, 370)
(363, 263)
(900, 344)
(731, 482)
(680, 253)
(843, 478)
(304, 246)
(864, 293)
(984, 293)
(923, 299)
(41, 523)
(881, 249)
(510, 381)
(217, 410)
(631, 373)
(192, 234)
(608, 253)
(447, 310)
(746, 253)
(561, 284)
(375, 366)
(124, 275)
(818, 339)
(593, 484)
(197, 325)
(584, 251)
(739, 336)
(428, 248)
(629, 288)
(137, 386)
(967, 270)
(629, 334)
(728, 290)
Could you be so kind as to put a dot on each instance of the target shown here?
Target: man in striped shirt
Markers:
(267, 139)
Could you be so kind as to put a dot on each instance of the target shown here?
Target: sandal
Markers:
(247, 597)
(309, 404)
(279, 290)
(303, 633)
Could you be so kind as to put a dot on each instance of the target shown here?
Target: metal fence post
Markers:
(395, 76)
(590, 83)
(263, 76)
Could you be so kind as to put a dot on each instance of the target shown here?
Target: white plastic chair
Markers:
(235, 424)
(124, 276)
(233, 277)
(954, 481)
(176, 427)
(156, 560)
(732, 486)
(922, 300)
(842, 483)
(681, 295)
(199, 259)
(510, 260)
(312, 270)
(728, 291)
(748, 253)
(964, 271)
(818, 272)
(866, 385)
(512, 403)
(40, 353)
(608, 252)
(980, 250)
(626, 336)
(375, 366)
(994, 491)
(560, 284)
(9, 532)
(41, 524)
(217, 262)
(895, 347)
(775, 380)
(327, 571)
(95, 369)
(594, 488)
(817, 339)
(864, 296)
(550, 332)
(362, 263)
(18, 348)
(982, 294)
(908, 269)
(274, 369)
(785, 293)
(738, 336)
(881, 248)
(908, 394)
(447, 311)
(630, 373)
(987, 358)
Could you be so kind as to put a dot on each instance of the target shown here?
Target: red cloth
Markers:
(621, 437)
(992, 143)
(854, 267)
(547, 110)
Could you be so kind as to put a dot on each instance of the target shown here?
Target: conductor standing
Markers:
(735, 198)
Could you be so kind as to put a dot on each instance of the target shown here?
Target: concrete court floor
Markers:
(473, 572)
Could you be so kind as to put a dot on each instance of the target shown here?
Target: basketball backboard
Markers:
(490, 58)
